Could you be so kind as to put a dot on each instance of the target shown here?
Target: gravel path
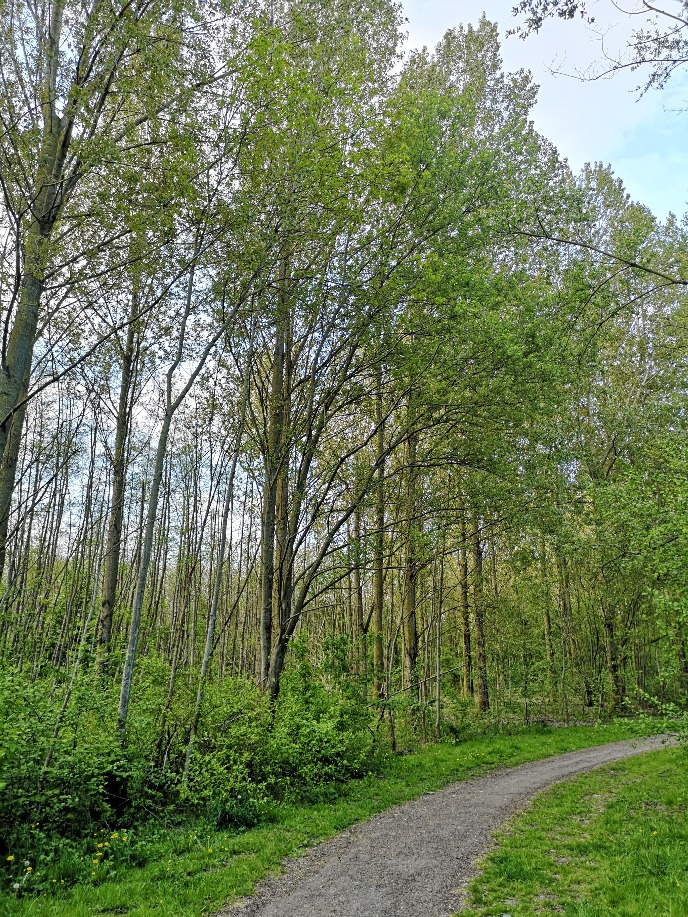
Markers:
(414, 860)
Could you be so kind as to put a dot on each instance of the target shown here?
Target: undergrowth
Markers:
(194, 866)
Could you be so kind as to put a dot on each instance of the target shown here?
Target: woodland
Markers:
(336, 413)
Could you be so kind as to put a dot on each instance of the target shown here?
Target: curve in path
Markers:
(415, 859)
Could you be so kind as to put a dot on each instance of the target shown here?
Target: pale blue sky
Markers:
(644, 140)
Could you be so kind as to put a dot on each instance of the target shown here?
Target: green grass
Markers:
(193, 871)
(613, 842)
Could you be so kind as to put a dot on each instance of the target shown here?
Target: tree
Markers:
(76, 101)
(660, 46)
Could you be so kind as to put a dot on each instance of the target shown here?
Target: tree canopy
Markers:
(335, 411)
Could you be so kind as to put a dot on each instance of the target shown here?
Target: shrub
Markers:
(320, 733)
(65, 790)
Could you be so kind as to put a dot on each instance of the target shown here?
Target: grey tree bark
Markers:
(217, 584)
(171, 407)
(483, 696)
(114, 531)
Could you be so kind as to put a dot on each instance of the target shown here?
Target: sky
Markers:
(643, 138)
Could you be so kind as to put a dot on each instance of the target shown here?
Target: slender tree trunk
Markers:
(8, 473)
(281, 591)
(549, 649)
(483, 697)
(612, 655)
(270, 490)
(466, 613)
(493, 564)
(569, 644)
(410, 624)
(438, 648)
(547, 623)
(358, 593)
(114, 532)
(379, 549)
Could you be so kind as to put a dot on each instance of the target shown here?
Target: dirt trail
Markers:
(414, 860)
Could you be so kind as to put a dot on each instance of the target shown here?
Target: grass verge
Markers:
(612, 842)
(195, 870)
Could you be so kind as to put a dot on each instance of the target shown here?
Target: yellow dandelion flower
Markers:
(10, 858)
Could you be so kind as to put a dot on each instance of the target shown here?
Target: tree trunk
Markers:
(114, 533)
(357, 588)
(483, 697)
(379, 549)
(8, 473)
(438, 647)
(410, 626)
(281, 587)
(270, 491)
(466, 613)
(612, 655)
(547, 623)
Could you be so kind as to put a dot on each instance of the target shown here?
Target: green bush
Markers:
(320, 734)
(247, 754)
(228, 766)
(67, 783)
(58, 783)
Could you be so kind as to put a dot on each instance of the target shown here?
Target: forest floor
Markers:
(193, 869)
(416, 859)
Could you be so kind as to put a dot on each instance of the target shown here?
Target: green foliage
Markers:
(60, 792)
(664, 717)
(193, 867)
(321, 732)
(246, 757)
(227, 773)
